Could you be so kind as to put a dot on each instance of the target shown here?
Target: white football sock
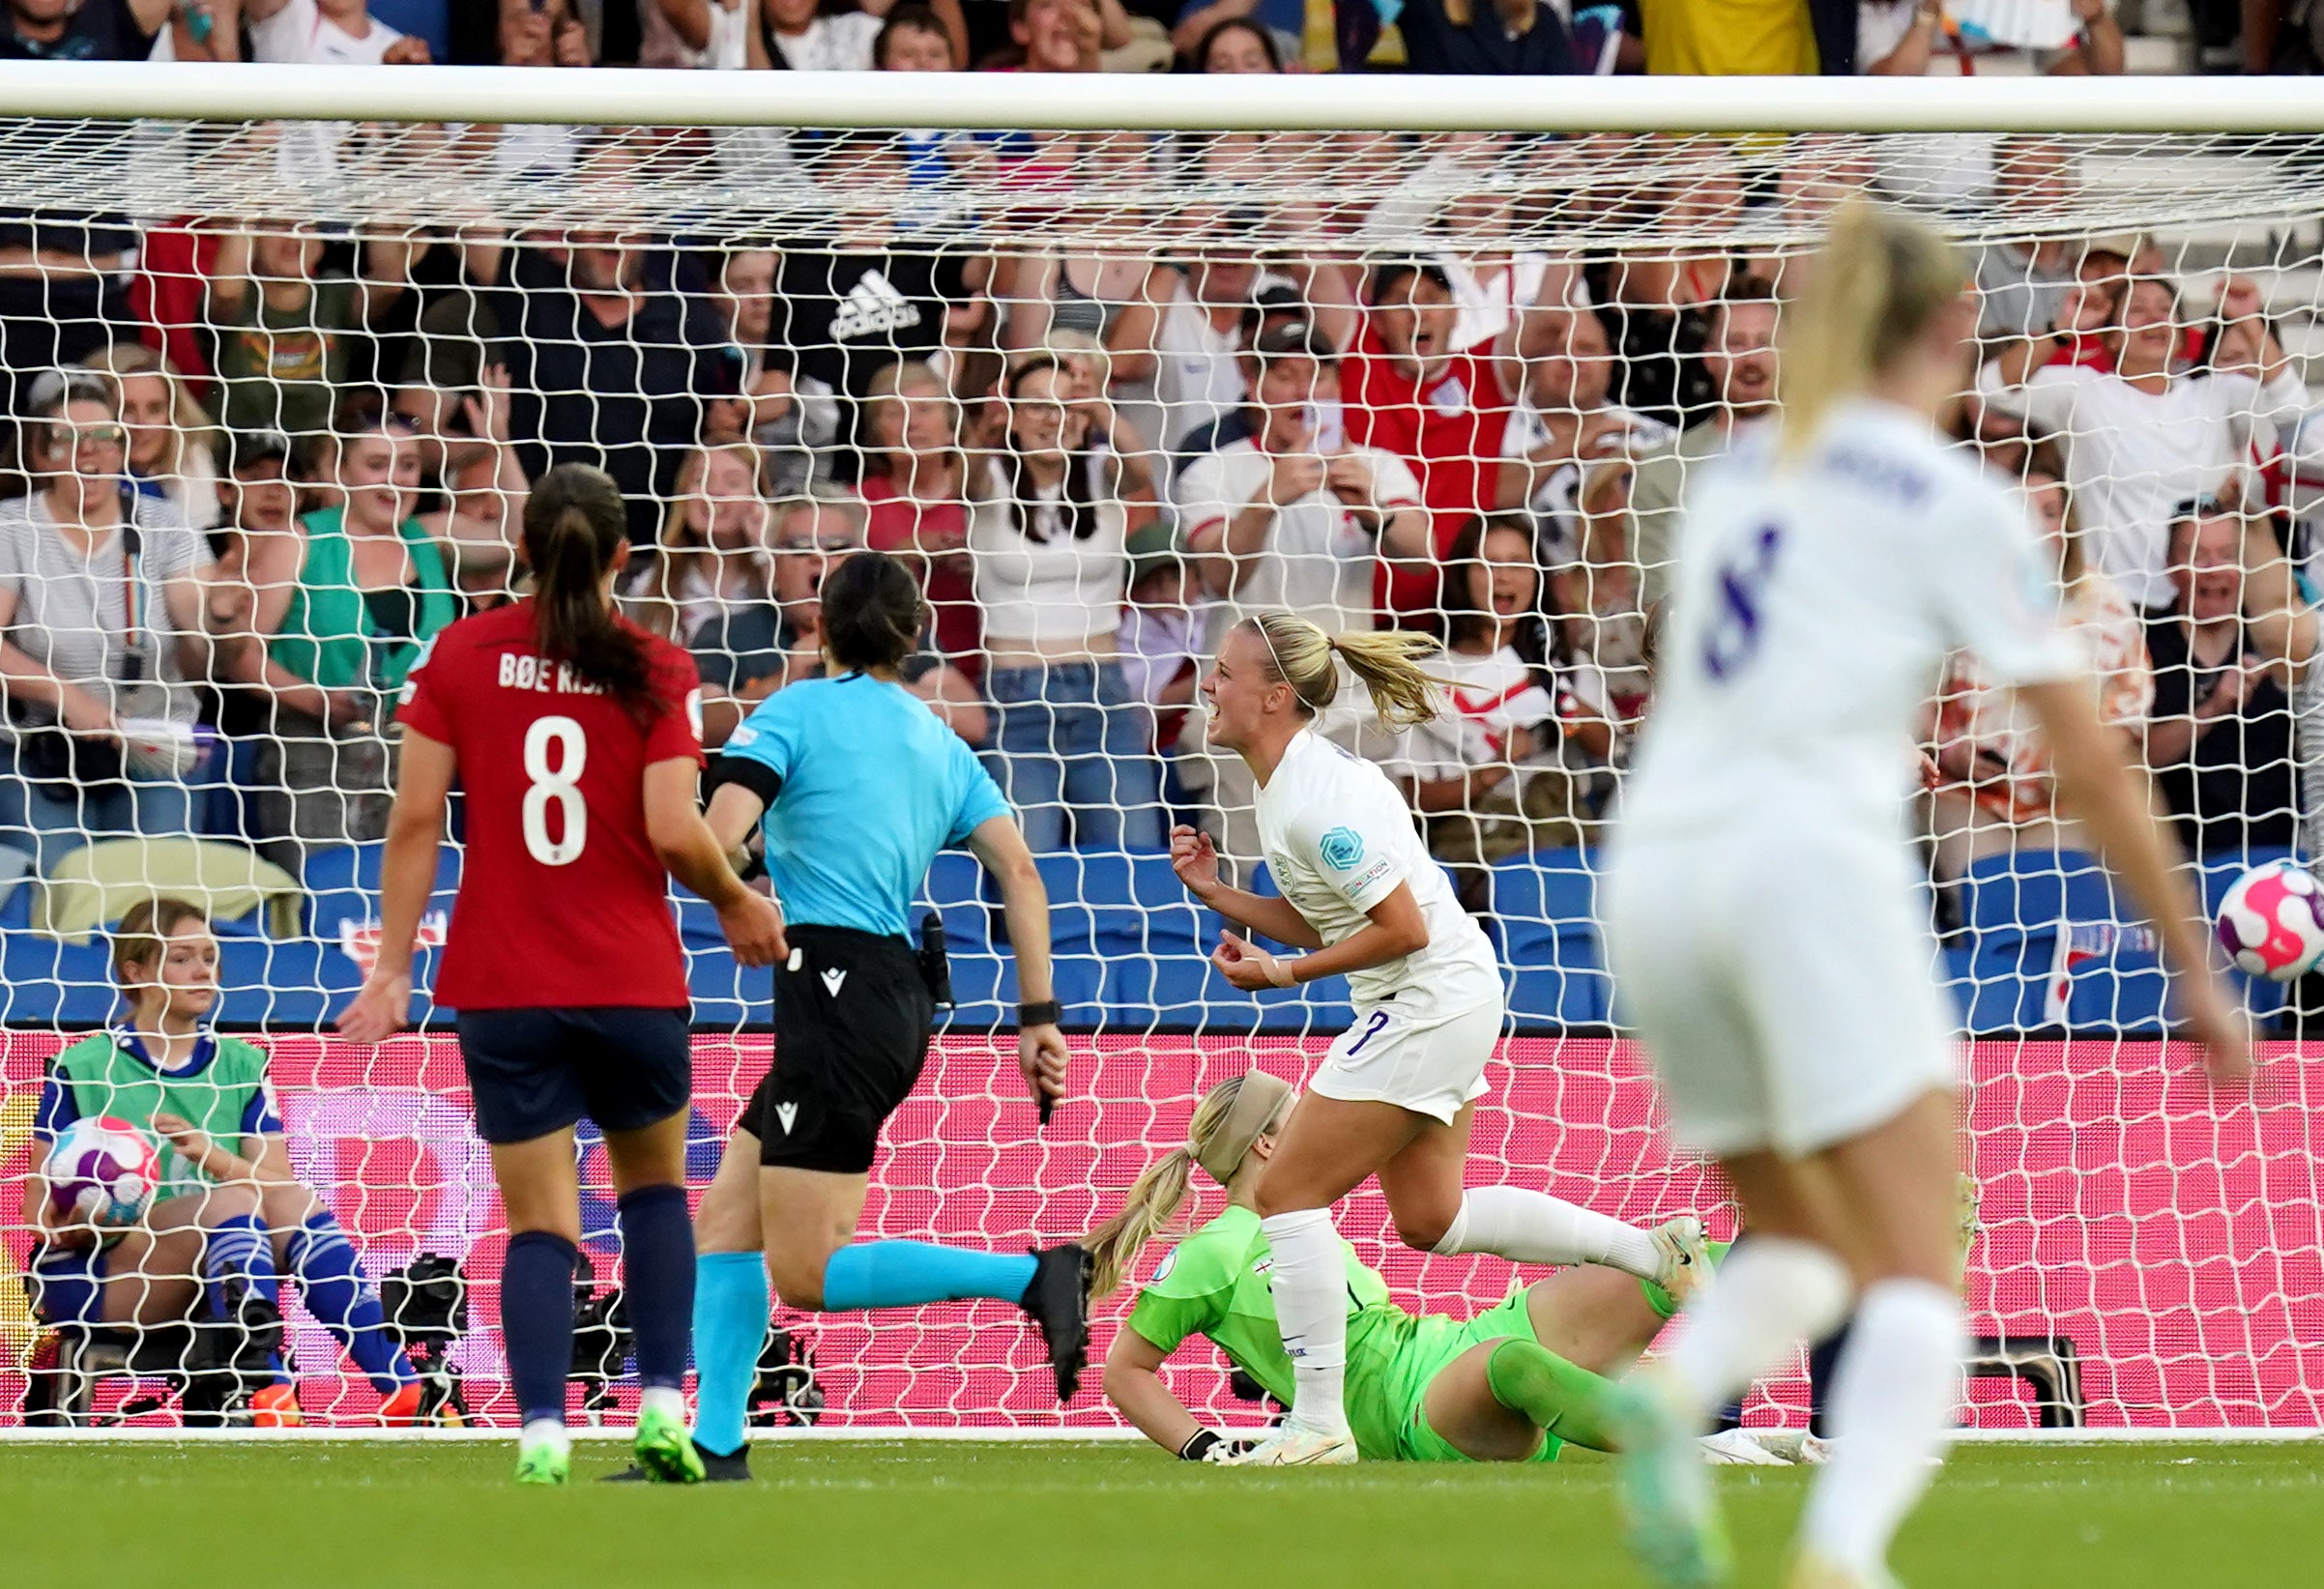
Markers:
(1894, 1403)
(1310, 1282)
(546, 1432)
(665, 1398)
(1773, 1293)
(1536, 1227)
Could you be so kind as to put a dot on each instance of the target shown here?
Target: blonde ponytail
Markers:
(1871, 290)
(1232, 1117)
(1154, 1199)
(1384, 661)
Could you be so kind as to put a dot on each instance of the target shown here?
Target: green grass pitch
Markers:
(948, 1514)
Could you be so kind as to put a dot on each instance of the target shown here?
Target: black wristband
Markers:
(1198, 1445)
(1044, 1013)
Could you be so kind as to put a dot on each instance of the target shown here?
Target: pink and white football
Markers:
(2272, 921)
(102, 1171)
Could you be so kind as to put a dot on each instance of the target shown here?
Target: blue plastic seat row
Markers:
(2050, 946)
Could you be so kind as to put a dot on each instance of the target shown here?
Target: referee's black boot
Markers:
(1059, 1300)
(731, 1468)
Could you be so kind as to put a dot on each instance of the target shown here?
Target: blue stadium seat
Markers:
(725, 994)
(1545, 924)
(342, 886)
(2017, 905)
(50, 982)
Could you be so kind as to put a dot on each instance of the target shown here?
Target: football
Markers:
(2272, 921)
(104, 1170)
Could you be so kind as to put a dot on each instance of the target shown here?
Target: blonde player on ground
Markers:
(1762, 911)
(1396, 1094)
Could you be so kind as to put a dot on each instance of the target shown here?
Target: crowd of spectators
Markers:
(256, 465)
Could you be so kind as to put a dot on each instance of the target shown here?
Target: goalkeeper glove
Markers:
(1209, 1446)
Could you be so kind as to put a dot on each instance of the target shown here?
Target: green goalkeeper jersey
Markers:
(1215, 1283)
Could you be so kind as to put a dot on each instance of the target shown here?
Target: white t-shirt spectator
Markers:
(79, 617)
(831, 44)
(728, 48)
(1197, 375)
(2131, 456)
(1038, 582)
(300, 35)
(1318, 563)
(1489, 696)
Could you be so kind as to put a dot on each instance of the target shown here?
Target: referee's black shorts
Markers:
(535, 1071)
(851, 1021)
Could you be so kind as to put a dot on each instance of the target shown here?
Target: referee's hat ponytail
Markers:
(574, 526)
(1232, 1117)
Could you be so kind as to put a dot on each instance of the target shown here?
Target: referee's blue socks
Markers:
(904, 1274)
(730, 1329)
(657, 1280)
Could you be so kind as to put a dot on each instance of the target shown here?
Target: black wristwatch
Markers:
(1046, 1012)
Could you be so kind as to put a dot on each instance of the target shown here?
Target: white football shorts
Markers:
(1783, 984)
(1429, 1063)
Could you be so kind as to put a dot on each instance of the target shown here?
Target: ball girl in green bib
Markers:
(229, 1218)
(1510, 1384)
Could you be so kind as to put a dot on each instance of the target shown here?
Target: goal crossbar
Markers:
(1002, 101)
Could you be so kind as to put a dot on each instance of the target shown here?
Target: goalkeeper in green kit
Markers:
(1511, 1384)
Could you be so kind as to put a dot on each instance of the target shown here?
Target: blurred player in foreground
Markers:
(1396, 1096)
(1764, 916)
(1511, 1384)
(856, 786)
(572, 732)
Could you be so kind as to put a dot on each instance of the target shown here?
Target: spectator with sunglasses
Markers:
(2228, 654)
(100, 633)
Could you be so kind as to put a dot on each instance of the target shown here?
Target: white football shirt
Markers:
(1339, 838)
(1813, 607)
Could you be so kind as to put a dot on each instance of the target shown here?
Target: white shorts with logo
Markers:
(1783, 984)
(1429, 1063)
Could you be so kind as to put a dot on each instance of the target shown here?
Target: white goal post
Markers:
(808, 247)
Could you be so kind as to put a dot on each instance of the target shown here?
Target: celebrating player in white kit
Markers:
(1762, 914)
(1396, 1094)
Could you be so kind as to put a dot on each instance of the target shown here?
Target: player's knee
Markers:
(1423, 1230)
(797, 1280)
(287, 1204)
(231, 1201)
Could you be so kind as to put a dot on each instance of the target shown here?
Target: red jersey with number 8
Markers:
(562, 902)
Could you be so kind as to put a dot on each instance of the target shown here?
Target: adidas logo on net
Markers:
(874, 307)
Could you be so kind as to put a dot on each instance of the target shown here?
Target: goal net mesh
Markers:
(1106, 392)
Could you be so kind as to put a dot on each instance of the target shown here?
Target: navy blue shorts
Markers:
(68, 1286)
(535, 1071)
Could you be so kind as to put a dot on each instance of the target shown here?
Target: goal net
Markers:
(1109, 375)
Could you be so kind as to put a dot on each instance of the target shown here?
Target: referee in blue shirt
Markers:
(858, 785)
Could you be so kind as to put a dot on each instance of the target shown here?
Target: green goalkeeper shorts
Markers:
(1431, 1349)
